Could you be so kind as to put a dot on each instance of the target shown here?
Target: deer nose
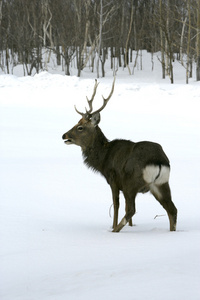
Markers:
(64, 136)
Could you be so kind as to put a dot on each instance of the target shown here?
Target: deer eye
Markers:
(80, 128)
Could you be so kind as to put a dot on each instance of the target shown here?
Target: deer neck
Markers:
(95, 153)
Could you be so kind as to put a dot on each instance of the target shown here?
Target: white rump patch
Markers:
(155, 174)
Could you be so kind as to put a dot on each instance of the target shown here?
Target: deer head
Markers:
(83, 133)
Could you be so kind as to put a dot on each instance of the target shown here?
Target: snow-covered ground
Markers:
(55, 229)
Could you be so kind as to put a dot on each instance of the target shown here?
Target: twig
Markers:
(110, 210)
(158, 216)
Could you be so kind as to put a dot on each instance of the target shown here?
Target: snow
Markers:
(55, 229)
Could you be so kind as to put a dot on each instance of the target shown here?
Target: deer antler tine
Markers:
(112, 90)
(90, 105)
(86, 114)
(105, 100)
(80, 113)
(89, 112)
(93, 95)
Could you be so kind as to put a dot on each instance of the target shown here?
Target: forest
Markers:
(82, 33)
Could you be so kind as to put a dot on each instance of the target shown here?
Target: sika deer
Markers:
(127, 166)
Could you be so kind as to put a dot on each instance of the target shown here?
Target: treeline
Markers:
(87, 32)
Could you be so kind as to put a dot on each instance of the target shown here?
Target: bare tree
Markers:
(106, 10)
(188, 43)
(182, 40)
(161, 42)
(100, 35)
(128, 38)
(198, 42)
(47, 29)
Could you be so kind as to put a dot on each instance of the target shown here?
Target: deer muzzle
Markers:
(67, 140)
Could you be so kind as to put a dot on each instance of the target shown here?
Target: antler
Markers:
(91, 100)
(89, 112)
(105, 100)
(86, 115)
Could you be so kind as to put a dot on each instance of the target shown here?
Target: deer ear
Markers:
(95, 119)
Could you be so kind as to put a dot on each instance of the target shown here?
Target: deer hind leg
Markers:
(130, 211)
(163, 194)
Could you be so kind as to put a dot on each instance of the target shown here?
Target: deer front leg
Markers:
(130, 221)
(115, 196)
(130, 211)
(120, 225)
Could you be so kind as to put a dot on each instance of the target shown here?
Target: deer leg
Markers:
(130, 221)
(163, 194)
(130, 211)
(115, 195)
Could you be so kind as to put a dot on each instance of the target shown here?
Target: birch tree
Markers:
(105, 12)
(47, 29)
(128, 38)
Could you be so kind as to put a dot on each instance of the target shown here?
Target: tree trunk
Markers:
(188, 44)
(127, 40)
(161, 42)
(100, 36)
(181, 43)
(58, 57)
(198, 43)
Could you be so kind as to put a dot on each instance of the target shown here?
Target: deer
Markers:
(129, 167)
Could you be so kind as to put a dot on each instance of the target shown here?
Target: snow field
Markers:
(55, 228)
